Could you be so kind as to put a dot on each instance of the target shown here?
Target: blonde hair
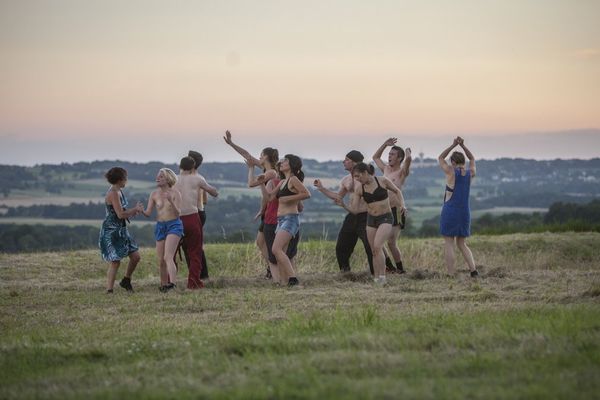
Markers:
(170, 175)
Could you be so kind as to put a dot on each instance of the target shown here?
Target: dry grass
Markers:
(528, 327)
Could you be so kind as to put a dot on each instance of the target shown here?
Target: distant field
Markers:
(529, 327)
(67, 222)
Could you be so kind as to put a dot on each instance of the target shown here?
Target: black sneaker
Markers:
(474, 274)
(268, 275)
(293, 281)
(109, 291)
(126, 284)
(169, 286)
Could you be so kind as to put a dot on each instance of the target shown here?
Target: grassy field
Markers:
(529, 327)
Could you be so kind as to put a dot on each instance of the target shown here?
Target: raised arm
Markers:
(330, 193)
(407, 162)
(269, 191)
(442, 158)
(470, 156)
(254, 181)
(243, 152)
(379, 152)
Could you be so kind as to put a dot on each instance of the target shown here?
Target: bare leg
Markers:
(275, 274)
(171, 243)
(162, 265)
(112, 274)
(282, 238)
(393, 244)
(134, 259)
(380, 236)
(449, 254)
(466, 252)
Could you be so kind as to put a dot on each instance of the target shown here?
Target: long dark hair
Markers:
(363, 167)
(295, 166)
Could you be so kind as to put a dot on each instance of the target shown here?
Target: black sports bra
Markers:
(284, 191)
(377, 195)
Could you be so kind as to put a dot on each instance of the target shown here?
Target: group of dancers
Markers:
(376, 213)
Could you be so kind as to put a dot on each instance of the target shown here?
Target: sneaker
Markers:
(293, 281)
(126, 284)
(169, 286)
(109, 291)
(474, 274)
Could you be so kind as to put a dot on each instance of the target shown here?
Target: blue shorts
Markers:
(164, 228)
(289, 223)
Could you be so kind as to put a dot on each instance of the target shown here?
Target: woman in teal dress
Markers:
(115, 242)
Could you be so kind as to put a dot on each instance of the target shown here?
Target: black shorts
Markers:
(261, 227)
(398, 221)
(375, 220)
(269, 232)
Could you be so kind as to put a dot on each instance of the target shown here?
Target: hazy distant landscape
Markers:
(511, 194)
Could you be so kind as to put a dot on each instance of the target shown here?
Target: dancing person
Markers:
(355, 225)
(189, 184)
(270, 223)
(396, 170)
(169, 228)
(114, 240)
(290, 192)
(268, 158)
(374, 191)
(202, 200)
(455, 222)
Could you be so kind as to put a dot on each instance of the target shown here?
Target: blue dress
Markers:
(115, 242)
(456, 212)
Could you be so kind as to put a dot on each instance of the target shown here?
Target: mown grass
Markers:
(528, 328)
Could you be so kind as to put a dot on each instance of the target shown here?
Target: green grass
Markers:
(528, 328)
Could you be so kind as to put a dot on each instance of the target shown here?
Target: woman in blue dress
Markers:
(455, 222)
(115, 242)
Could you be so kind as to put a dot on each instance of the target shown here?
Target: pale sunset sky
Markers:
(148, 80)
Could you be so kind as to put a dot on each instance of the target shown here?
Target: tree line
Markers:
(561, 217)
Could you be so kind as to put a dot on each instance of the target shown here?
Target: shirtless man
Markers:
(189, 184)
(397, 171)
(202, 200)
(355, 225)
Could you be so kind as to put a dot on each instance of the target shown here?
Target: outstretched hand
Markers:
(390, 141)
(227, 137)
(318, 184)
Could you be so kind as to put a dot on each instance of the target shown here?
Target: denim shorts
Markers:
(164, 228)
(289, 223)
(375, 220)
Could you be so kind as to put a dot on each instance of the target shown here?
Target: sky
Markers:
(148, 80)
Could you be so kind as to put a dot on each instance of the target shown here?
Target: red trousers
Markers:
(192, 238)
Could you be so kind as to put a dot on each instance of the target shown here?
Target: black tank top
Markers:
(377, 195)
(285, 191)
